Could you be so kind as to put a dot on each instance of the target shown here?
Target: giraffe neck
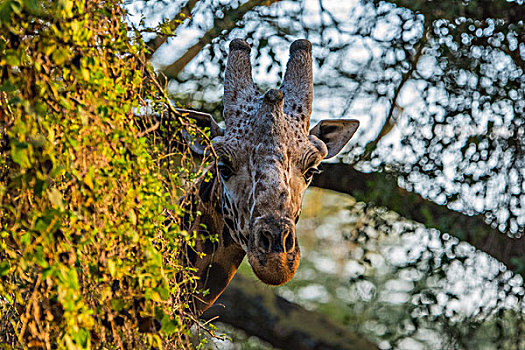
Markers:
(222, 257)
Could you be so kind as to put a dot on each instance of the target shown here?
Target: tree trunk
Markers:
(253, 307)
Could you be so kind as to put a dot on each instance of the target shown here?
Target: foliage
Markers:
(90, 230)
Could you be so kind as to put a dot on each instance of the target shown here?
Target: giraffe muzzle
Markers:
(273, 251)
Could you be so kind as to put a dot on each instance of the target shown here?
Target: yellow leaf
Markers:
(88, 179)
(55, 197)
(85, 74)
(111, 267)
(132, 216)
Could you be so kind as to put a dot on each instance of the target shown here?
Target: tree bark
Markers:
(381, 189)
(248, 305)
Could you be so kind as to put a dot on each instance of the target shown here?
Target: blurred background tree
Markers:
(438, 88)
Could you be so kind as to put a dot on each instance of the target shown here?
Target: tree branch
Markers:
(381, 189)
(257, 310)
(511, 12)
(389, 123)
(220, 26)
(185, 12)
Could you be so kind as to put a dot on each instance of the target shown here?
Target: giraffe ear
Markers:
(202, 120)
(335, 133)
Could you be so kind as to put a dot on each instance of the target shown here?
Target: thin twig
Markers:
(203, 326)
(150, 129)
(172, 109)
(389, 122)
(28, 309)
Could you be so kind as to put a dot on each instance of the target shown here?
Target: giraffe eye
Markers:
(225, 169)
(309, 174)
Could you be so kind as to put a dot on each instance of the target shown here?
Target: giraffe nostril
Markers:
(265, 241)
(289, 242)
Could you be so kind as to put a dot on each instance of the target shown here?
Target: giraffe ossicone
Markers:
(266, 159)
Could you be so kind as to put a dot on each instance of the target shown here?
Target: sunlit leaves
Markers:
(88, 254)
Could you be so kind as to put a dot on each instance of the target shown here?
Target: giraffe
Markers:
(266, 158)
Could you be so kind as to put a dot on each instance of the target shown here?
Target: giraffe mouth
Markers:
(275, 268)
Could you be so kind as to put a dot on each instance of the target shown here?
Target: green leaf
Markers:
(163, 292)
(60, 56)
(32, 6)
(117, 304)
(168, 325)
(5, 10)
(112, 267)
(132, 216)
(38, 141)
(25, 239)
(16, 6)
(12, 58)
(41, 224)
(40, 258)
(8, 86)
(88, 179)
(4, 268)
(19, 154)
(40, 108)
(81, 337)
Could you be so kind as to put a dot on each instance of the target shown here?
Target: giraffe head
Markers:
(267, 157)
